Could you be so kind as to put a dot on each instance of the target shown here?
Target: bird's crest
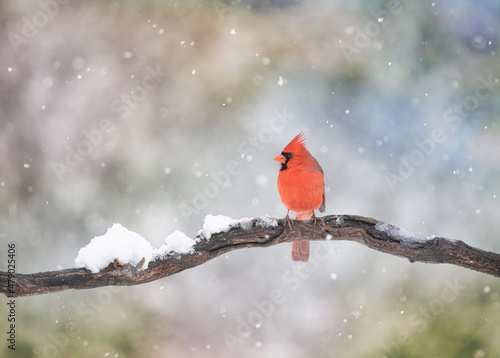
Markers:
(296, 144)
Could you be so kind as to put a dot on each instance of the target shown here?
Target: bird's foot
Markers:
(315, 220)
(288, 221)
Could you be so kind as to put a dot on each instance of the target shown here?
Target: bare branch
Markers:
(360, 229)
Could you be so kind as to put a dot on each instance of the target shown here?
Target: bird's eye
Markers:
(287, 156)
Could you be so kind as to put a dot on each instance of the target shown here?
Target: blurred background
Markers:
(131, 112)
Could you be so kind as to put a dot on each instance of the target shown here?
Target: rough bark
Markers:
(335, 227)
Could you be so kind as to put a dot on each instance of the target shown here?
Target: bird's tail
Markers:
(300, 249)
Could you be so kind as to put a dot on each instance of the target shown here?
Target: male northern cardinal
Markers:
(301, 185)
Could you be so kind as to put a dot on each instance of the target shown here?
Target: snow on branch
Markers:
(123, 258)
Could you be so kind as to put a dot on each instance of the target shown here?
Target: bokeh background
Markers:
(125, 111)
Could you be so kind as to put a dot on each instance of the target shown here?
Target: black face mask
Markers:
(287, 156)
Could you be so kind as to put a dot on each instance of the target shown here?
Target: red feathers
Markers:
(296, 143)
(301, 187)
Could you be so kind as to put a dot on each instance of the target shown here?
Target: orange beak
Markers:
(280, 158)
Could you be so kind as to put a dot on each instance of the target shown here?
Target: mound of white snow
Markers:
(117, 243)
(128, 247)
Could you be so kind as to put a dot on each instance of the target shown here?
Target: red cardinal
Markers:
(301, 185)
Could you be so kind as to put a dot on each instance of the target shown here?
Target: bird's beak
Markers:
(280, 158)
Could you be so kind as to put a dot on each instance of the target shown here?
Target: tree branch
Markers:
(370, 232)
